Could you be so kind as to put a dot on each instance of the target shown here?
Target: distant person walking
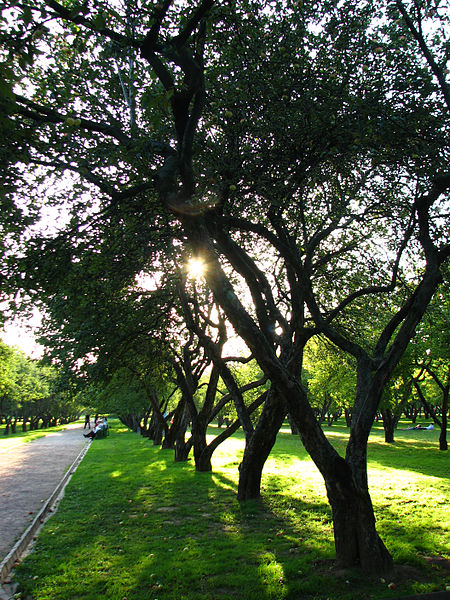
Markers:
(87, 421)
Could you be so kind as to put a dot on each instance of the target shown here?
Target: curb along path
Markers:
(32, 475)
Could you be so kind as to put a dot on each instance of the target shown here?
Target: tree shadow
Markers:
(134, 524)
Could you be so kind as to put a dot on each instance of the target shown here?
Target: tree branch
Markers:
(377, 289)
(198, 15)
(436, 69)
(45, 114)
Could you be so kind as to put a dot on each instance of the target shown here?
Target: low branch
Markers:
(378, 289)
(235, 426)
(37, 112)
(228, 397)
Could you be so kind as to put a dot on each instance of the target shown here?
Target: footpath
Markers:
(32, 477)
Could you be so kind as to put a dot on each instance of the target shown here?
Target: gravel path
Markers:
(29, 473)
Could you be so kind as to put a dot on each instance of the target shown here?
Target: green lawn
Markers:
(135, 525)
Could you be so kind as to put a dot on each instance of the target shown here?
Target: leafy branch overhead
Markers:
(299, 152)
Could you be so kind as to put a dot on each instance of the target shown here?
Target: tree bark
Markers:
(348, 417)
(356, 539)
(201, 456)
(292, 425)
(182, 448)
(200, 424)
(389, 425)
(258, 447)
(357, 542)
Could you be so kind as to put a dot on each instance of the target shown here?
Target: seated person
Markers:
(102, 424)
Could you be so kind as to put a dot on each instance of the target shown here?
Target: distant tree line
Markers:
(33, 395)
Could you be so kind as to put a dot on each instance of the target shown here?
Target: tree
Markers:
(433, 361)
(315, 181)
(330, 379)
(396, 395)
(33, 393)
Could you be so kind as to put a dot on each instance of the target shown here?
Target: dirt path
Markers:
(29, 473)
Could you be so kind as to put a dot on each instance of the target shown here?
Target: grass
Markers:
(135, 525)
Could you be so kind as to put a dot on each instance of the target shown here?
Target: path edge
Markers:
(25, 539)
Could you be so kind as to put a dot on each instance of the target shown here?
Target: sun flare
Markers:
(195, 267)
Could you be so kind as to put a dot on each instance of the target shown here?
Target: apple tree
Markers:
(300, 150)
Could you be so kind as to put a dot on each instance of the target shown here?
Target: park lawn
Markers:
(136, 525)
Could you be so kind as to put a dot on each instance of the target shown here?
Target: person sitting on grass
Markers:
(102, 424)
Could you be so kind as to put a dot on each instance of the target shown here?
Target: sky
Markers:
(19, 334)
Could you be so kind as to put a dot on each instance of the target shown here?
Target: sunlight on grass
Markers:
(271, 574)
(116, 473)
(134, 524)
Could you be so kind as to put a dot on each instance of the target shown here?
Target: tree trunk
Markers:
(443, 435)
(201, 456)
(203, 460)
(170, 438)
(168, 442)
(348, 417)
(356, 539)
(293, 426)
(200, 420)
(258, 447)
(158, 435)
(155, 430)
(182, 448)
(389, 425)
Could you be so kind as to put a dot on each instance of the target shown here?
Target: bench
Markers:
(102, 433)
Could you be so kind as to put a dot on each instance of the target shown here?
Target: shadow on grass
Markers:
(416, 451)
(136, 525)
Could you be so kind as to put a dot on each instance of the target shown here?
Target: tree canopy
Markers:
(300, 150)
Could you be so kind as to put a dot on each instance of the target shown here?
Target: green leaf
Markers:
(27, 15)
(99, 22)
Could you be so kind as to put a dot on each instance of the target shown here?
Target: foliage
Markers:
(300, 149)
(34, 393)
(330, 377)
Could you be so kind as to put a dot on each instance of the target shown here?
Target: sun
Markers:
(196, 267)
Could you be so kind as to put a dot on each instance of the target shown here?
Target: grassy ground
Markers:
(135, 525)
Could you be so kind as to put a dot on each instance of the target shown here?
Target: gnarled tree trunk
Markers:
(258, 447)
(356, 540)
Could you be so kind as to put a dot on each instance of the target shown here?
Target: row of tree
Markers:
(143, 397)
(33, 395)
(298, 151)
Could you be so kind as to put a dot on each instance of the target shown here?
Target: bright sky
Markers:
(19, 334)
